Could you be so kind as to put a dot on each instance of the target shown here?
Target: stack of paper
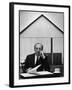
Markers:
(43, 73)
(36, 73)
(33, 72)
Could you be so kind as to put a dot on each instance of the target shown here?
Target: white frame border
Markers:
(65, 79)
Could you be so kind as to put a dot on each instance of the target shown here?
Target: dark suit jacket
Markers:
(30, 62)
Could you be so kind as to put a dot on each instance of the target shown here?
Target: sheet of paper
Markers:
(34, 69)
(43, 73)
(27, 75)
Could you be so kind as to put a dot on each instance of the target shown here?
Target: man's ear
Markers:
(34, 49)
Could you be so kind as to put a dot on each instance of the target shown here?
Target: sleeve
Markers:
(46, 64)
(26, 66)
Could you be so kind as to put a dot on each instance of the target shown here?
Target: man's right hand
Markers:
(28, 70)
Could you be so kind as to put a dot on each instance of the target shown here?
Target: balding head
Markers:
(38, 47)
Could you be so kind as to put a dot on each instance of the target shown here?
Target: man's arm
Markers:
(27, 64)
(45, 62)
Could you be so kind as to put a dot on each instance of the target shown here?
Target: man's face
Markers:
(38, 49)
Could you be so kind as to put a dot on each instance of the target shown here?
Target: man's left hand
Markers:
(42, 55)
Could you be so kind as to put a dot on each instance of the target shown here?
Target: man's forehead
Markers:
(38, 45)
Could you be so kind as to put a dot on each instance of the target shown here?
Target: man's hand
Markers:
(42, 55)
(28, 69)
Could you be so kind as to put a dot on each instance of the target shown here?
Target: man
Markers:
(37, 61)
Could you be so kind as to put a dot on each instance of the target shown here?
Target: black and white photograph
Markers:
(39, 44)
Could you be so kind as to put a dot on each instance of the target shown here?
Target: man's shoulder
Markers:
(30, 55)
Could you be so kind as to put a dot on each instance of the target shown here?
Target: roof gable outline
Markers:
(37, 19)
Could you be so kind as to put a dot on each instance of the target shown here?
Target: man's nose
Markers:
(38, 49)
